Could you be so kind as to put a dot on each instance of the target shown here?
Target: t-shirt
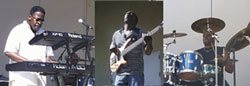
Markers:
(134, 58)
(208, 56)
(18, 41)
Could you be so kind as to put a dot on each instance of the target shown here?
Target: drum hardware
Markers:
(170, 68)
(171, 60)
(172, 35)
(239, 41)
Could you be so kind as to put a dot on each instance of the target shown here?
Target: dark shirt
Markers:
(134, 58)
(208, 56)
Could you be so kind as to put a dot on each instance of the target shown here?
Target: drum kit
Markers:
(188, 66)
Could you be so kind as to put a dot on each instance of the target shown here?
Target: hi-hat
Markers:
(172, 35)
(239, 40)
(203, 25)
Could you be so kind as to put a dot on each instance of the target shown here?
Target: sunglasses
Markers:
(38, 19)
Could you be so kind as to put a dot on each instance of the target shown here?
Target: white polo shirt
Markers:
(18, 41)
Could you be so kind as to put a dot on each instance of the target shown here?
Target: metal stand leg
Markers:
(234, 76)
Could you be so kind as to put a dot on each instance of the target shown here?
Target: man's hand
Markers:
(36, 60)
(115, 50)
(149, 46)
(148, 40)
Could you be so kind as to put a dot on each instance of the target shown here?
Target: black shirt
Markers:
(208, 56)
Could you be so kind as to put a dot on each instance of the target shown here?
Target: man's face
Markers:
(130, 18)
(207, 39)
(36, 20)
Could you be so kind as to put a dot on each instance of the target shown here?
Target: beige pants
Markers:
(41, 82)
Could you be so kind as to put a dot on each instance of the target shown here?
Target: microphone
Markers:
(82, 21)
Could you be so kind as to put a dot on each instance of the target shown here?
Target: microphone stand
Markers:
(87, 53)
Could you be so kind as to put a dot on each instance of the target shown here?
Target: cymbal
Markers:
(239, 40)
(202, 25)
(172, 35)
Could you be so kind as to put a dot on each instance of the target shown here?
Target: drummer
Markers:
(207, 52)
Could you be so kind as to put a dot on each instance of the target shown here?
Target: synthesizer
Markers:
(49, 67)
(58, 39)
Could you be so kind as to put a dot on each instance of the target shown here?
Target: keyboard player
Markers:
(18, 49)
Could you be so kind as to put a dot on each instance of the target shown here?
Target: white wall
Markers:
(180, 14)
(61, 15)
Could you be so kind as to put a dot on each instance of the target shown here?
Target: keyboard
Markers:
(58, 39)
(50, 67)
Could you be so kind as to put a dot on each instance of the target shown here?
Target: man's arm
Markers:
(149, 46)
(229, 64)
(48, 59)
(16, 57)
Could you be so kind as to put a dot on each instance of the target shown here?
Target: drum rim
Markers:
(169, 53)
(188, 70)
(192, 51)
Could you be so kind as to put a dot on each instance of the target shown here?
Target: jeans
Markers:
(129, 80)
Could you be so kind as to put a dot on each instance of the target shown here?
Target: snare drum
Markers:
(190, 66)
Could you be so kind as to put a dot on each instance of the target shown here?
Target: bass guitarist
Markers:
(129, 67)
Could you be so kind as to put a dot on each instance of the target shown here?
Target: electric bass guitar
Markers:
(127, 48)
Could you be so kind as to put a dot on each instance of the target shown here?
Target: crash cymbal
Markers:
(202, 25)
(239, 40)
(172, 35)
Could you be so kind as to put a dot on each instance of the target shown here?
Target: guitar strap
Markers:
(134, 36)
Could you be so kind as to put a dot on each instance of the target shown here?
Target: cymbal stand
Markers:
(168, 72)
(215, 36)
(216, 59)
(234, 74)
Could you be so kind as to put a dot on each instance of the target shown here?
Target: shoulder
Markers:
(117, 32)
(18, 28)
(141, 30)
(21, 26)
(199, 50)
